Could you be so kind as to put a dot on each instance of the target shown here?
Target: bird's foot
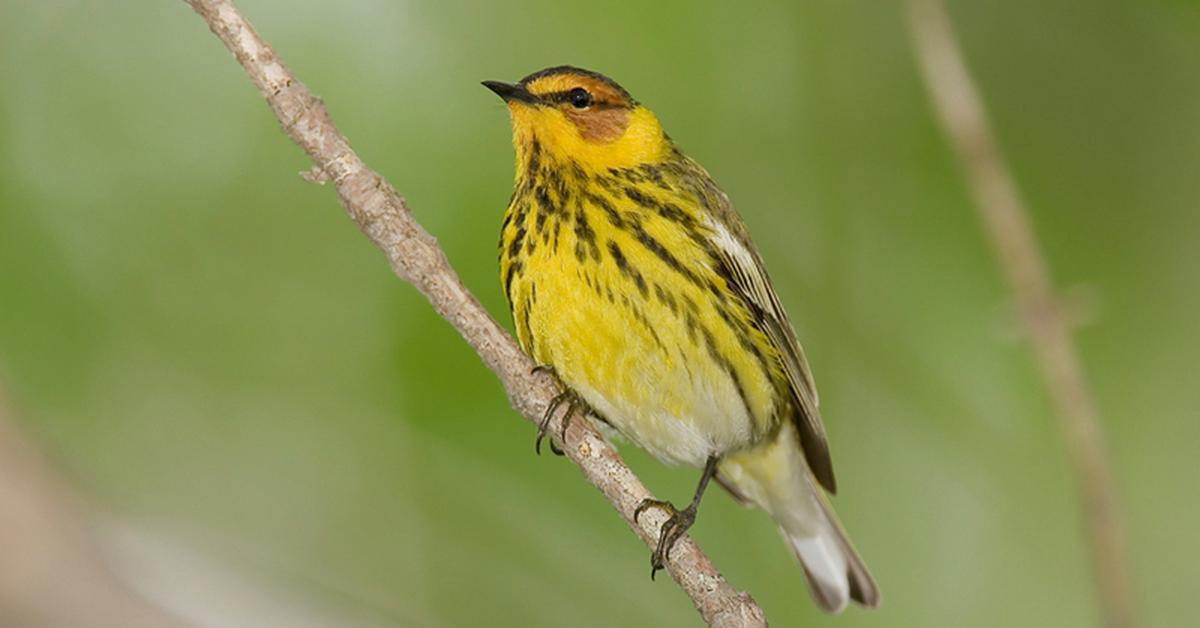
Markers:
(672, 529)
(571, 398)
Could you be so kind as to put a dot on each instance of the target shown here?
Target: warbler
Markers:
(632, 278)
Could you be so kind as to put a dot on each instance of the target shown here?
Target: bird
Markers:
(632, 279)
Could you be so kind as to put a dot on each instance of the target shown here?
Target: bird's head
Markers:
(576, 115)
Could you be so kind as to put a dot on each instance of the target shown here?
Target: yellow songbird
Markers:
(631, 276)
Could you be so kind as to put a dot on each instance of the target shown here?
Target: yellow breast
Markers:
(612, 283)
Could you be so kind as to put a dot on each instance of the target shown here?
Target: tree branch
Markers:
(964, 120)
(383, 216)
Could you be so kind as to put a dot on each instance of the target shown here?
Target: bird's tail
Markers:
(776, 477)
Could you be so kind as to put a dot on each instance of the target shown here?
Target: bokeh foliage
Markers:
(204, 342)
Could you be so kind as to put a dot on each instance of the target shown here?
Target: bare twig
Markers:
(414, 256)
(964, 121)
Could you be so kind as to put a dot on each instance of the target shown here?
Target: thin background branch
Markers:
(414, 256)
(964, 120)
(52, 572)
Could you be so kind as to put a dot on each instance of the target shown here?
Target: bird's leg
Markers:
(680, 520)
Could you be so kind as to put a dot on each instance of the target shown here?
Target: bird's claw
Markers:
(672, 529)
(574, 402)
(543, 368)
(566, 395)
(544, 426)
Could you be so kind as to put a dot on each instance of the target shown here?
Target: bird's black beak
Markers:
(510, 92)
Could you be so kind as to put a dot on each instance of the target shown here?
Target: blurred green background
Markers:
(206, 345)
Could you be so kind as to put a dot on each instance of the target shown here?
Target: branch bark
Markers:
(964, 120)
(383, 216)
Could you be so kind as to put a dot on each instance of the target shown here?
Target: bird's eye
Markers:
(579, 98)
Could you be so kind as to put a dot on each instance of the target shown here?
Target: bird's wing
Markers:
(745, 273)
